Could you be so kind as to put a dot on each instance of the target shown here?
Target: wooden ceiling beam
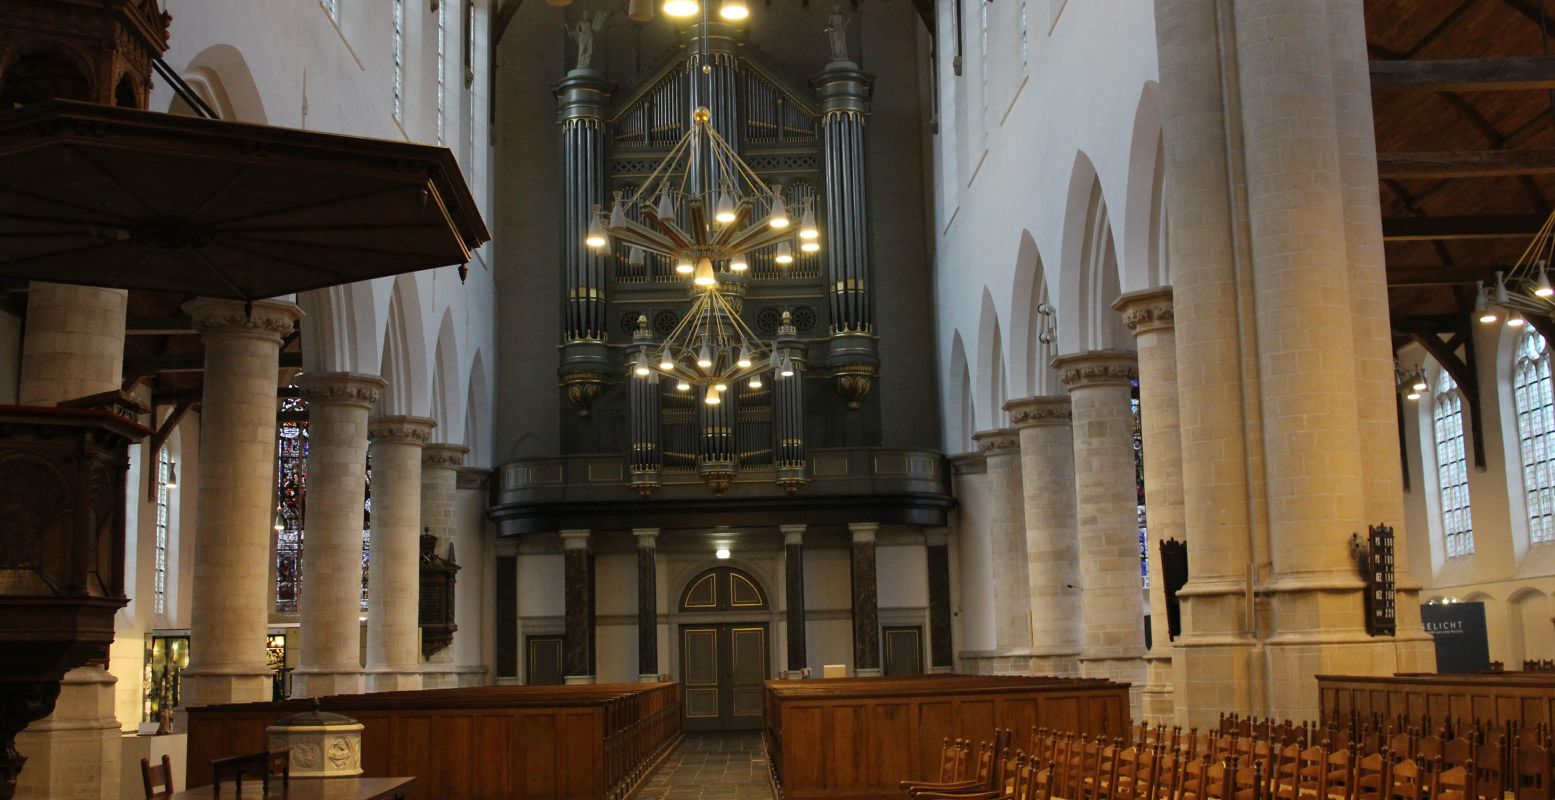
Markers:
(1424, 229)
(1466, 164)
(1444, 275)
(158, 326)
(1466, 74)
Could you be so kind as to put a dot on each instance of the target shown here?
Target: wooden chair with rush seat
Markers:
(263, 765)
(158, 780)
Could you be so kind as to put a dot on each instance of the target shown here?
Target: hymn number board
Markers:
(1381, 607)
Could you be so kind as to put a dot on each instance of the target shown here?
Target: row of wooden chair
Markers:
(1163, 765)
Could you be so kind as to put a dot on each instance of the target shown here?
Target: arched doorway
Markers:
(723, 651)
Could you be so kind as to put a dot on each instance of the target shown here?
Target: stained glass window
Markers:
(367, 534)
(1536, 433)
(1452, 472)
(399, 60)
(159, 570)
(291, 477)
(331, 7)
(442, 62)
(1139, 488)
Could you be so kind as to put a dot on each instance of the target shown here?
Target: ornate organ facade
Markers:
(805, 137)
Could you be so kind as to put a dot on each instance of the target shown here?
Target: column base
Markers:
(942, 670)
(793, 675)
(322, 683)
(581, 680)
(1124, 669)
(201, 687)
(866, 672)
(647, 678)
(74, 753)
(1021, 662)
(1157, 701)
(393, 680)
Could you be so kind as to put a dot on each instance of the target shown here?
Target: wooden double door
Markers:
(723, 666)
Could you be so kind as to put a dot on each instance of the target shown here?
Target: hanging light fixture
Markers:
(172, 474)
(1514, 319)
(733, 10)
(737, 263)
(785, 254)
(1482, 310)
(681, 8)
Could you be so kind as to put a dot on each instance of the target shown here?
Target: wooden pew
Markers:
(858, 737)
(552, 742)
(1525, 699)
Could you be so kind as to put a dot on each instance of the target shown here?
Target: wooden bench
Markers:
(554, 742)
(859, 737)
(1526, 699)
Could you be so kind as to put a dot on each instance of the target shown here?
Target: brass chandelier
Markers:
(704, 208)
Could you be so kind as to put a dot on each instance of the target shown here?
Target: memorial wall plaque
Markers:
(1381, 608)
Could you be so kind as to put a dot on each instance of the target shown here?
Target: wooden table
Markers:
(309, 789)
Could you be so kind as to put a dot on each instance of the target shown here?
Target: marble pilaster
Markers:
(942, 651)
(866, 606)
(647, 604)
(578, 588)
(793, 584)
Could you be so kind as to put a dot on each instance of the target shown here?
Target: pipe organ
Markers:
(808, 140)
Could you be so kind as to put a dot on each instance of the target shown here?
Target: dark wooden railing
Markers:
(1526, 699)
(858, 737)
(551, 742)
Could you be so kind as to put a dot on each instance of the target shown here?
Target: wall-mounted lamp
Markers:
(722, 553)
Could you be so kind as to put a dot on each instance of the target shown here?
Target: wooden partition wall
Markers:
(1527, 698)
(858, 737)
(540, 742)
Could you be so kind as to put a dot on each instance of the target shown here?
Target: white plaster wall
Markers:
(1036, 98)
(1512, 577)
(902, 576)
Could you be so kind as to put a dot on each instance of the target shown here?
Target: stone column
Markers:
(1213, 665)
(394, 582)
(74, 344)
(647, 604)
(1149, 315)
(73, 347)
(1107, 525)
(793, 581)
(974, 561)
(942, 651)
(440, 463)
(1007, 528)
(1051, 544)
(232, 589)
(866, 606)
(330, 661)
(578, 586)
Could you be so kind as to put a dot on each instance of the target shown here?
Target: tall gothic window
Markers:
(1536, 433)
(1139, 488)
(399, 61)
(291, 491)
(164, 518)
(1452, 471)
(442, 62)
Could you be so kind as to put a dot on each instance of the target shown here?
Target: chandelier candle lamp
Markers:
(1525, 291)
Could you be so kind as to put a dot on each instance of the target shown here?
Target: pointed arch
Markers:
(1144, 217)
(960, 416)
(477, 425)
(1030, 357)
(340, 327)
(1090, 280)
(404, 363)
(223, 79)
(990, 363)
(448, 407)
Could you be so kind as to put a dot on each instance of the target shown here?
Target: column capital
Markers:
(973, 463)
(575, 539)
(443, 454)
(413, 430)
(1147, 311)
(1040, 412)
(647, 538)
(1097, 368)
(936, 537)
(863, 531)
(263, 319)
(792, 534)
(1002, 441)
(341, 388)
